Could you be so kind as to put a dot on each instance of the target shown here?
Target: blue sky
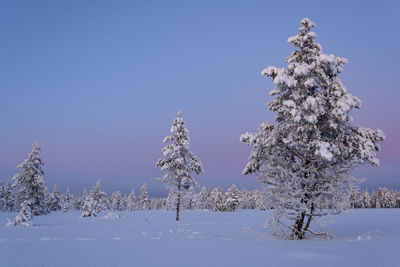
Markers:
(98, 83)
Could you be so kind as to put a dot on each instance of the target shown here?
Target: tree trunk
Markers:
(309, 219)
(299, 231)
(178, 202)
(298, 226)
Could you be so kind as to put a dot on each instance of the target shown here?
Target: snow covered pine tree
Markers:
(232, 201)
(143, 201)
(66, 201)
(24, 216)
(95, 202)
(179, 161)
(54, 202)
(30, 183)
(305, 159)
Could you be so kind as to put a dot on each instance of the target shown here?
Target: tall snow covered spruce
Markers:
(179, 161)
(306, 157)
(30, 183)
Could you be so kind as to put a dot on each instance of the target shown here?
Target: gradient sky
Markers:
(98, 83)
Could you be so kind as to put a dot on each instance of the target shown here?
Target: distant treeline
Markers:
(214, 199)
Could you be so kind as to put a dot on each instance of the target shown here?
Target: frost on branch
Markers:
(304, 160)
(178, 162)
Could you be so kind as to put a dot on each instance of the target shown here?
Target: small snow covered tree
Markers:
(54, 200)
(66, 204)
(95, 202)
(171, 199)
(124, 203)
(201, 199)
(25, 214)
(116, 201)
(2, 192)
(100, 198)
(8, 198)
(305, 159)
(366, 199)
(131, 201)
(30, 183)
(89, 207)
(386, 198)
(232, 199)
(77, 202)
(259, 197)
(143, 202)
(218, 198)
(178, 161)
(189, 199)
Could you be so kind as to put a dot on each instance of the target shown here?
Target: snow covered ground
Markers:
(202, 238)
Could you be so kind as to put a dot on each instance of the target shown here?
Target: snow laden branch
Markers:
(304, 160)
(178, 162)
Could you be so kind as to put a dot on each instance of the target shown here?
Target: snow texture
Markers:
(363, 237)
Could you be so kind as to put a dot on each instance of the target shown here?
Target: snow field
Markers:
(363, 237)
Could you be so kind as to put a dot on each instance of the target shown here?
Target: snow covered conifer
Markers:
(124, 203)
(82, 199)
(131, 201)
(8, 198)
(259, 198)
(171, 199)
(232, 200)
(386, 198)
(66, 201)
(189, 199)
(89, 207)
(2, 192)
(25, 214)
(366, 199)
(116, 201)
(100, 198)
(218, 197)
(143, 201)
(30, 183)
(178, 161)
(305, 159)
(95, 202)
(201, 200)
(54, 200)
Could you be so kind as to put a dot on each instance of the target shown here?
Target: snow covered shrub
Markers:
(218, 198)
(232, 200)
(89, 207)
(30, 183)
(143, 202)
(179, 162)
(116, 201)
(24, 216)
(95, 202)
(201, 199)
(8, 198)
(112, 215)
(131, 201)
(54, 202)
(66, 201)
(306, 157)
